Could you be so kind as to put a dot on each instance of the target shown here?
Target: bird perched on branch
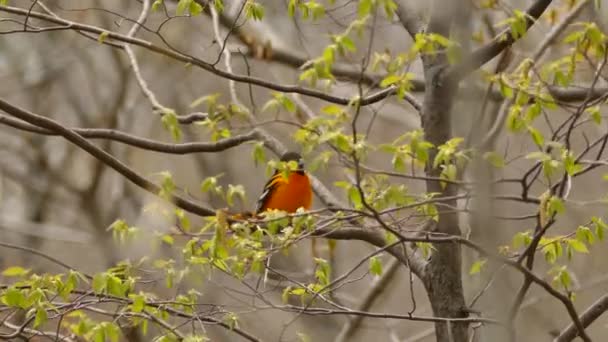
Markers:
(287, 193)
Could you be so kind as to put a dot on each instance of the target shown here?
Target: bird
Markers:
(287, 194)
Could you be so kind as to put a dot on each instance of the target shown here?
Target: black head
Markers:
(289, 156)
(295, 156)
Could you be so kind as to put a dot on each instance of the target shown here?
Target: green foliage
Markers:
(517, 24)
(102, 37)
(561, 277)
(410, 149)
(323, 271)
(258, 153)
(477, 266)
(595, 114)
(495, 159)
(167, 186)
(320, 67)
(279, 100)
(522, 239)
(254, 10)
(122, 232)
(426, 248)
(170, 122)
(15, 271)
(157, 4)
(328, 128)
(189, 6)
(308, 9)
(375, 266)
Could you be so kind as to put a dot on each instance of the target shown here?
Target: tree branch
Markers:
(178, 56)
(102, 156)
(484, 54)
(589, 316)
(140, 142)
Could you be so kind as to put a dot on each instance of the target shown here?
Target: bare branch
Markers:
(589, 316)
(140, 142)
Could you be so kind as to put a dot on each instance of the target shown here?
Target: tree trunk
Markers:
(442, 276)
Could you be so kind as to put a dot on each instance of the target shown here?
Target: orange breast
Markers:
(291, 194)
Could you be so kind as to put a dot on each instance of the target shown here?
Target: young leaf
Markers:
(15, 271)
(477, 266)
(375, 266)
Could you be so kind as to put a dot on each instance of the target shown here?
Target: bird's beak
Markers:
(300, 165)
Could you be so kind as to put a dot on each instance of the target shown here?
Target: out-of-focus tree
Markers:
(455, 148)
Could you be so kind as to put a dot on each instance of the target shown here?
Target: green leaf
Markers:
(302, 337)
(477, 266)
(577, 245)
(426, 248)
(253, 10)
(375, 266)
(355, 197)
(15, 271)
(323, 271)
(521, 239)
(595, 114)
(139, 302)
(495, 159)
(235, 190)
(195, 9)
(390, 80)
(99, 282)
(555, 205)
(506, 90)
(182, 6)
(532, 112)
(112, 331)
(537, 136)
(364, 8)
(259, 155)
(585, 234)
(14, 298)
(102, 37)
(167, 239)
(156, 5)
(291, 8)
(219, 5)
(171, 123)
(41, 317)
(449, 172)
(600, 227)
(285, 295)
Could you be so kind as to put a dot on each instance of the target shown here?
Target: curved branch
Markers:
(140, 142)
(102, 156)
(505, 39)
(110, 35)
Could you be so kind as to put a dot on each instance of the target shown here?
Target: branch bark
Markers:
(586, 318)
(101, 155)
(505, 39)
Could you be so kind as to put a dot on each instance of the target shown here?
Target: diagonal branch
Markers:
(505, 39)
(410, 17)
(589, 316)
(102, 156)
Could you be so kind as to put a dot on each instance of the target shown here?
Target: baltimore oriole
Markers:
(287, 194)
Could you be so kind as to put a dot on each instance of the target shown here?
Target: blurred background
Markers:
(57, 199)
